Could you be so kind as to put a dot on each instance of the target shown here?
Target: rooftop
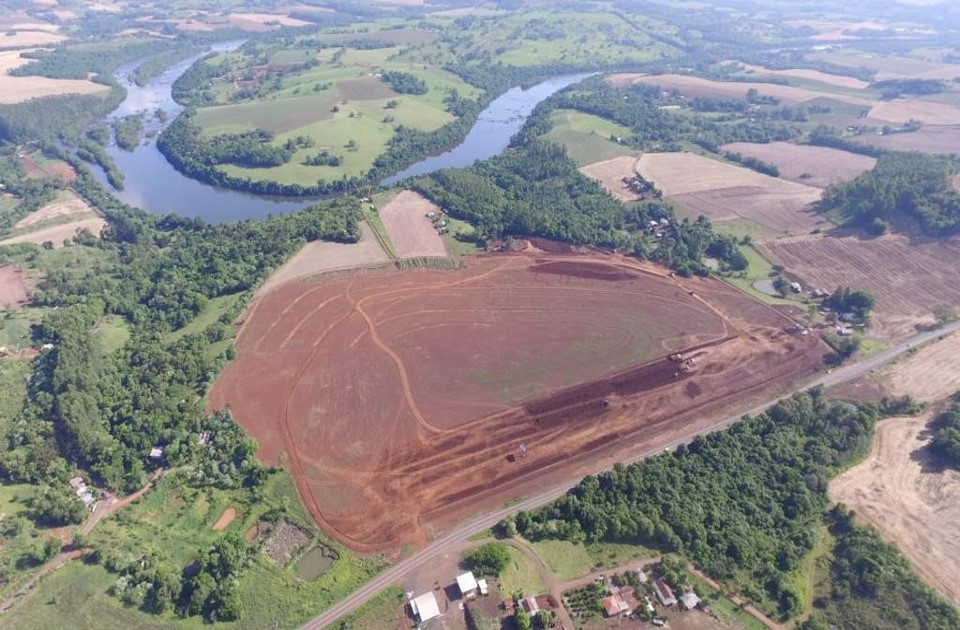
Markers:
(425, 606)
(466, 582)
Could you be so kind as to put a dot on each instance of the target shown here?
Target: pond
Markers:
(316, 562)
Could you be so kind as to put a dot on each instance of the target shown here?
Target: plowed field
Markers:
(398, 400)
(909, 277)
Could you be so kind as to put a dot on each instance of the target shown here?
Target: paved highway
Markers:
(396, 573)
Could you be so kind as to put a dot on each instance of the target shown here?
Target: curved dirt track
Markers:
(910, 500)
(398, 399)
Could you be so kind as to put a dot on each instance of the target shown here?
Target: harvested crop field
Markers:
(398, 399)
(724, 192)
(931, 374)
(941, 140)
(13, 292)
(807, 74)
(899, 111)
(807, 164)
(910, 500)
(610, 174)
(19, 89)
(909, 277)
(411, 232)
(893, 67)
(323, 256)
(67, 204)
(58, 233)
(692, 87)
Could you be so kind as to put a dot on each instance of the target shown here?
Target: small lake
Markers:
(315, 563)
(152, 184)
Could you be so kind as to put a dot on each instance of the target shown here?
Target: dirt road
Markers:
(395, 573)
(107, 506)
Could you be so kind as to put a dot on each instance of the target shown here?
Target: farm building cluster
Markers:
(84, 493)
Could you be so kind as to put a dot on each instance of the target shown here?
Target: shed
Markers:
(530, 605)
(690, 600)
(665, 593)
(796, 286)
(642, 576)
(425, 607)
(484, 589)
(156, 452)
(467, 584)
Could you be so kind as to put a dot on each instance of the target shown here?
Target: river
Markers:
(153, 184)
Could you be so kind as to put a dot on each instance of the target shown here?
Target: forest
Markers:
(912, 187)
(946, 434)
(745, 505)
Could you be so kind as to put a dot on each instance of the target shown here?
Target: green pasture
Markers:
(587, 137)
(566, 560)
(609, 555)
(112, 332)
(13, 391)
(521, 576)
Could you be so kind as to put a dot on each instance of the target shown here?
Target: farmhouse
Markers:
(424, 607)
(615, 605)
(665, 593)
(468, 585)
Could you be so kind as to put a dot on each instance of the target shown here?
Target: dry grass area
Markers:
(695, 86)
(610, 174)
(811, 75)
(322, 256)
(903, 109)
(58, 233)
(19, 89)
(269, 19)
(931, 374)
(411, 232)
(909, 277)
(25, 38)
(807, 164)
(909, 500)
(724, 192)
(67, 203)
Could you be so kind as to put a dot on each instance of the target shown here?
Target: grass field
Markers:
(13, 390)
(722, 608)
(177, 520)
(566, 560)
(112, 332)
(211, 315)
(521, 576)
(608, 555)
(587, 137)
(758, 268)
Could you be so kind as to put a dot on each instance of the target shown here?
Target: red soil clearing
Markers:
(398, 400)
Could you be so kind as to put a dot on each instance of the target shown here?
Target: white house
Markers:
(467, 584)
(425, 607)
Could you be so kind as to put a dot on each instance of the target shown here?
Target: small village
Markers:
(654, 593)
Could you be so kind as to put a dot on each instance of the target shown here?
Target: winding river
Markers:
(153, 184)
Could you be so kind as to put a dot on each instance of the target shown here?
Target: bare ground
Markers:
(322, 256)
(66, 204)
(13, 292)
(58, 233)
(909, 500)
(824, 165)
(723, 191)
(610, 174)
(225, 519)
(410, 231)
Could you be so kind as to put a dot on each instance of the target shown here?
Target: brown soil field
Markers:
(398, 400)
(811, 75)
(724, 191)
(909, 500)
(931, 374)
(610, 174)
(825, 165)
(66, 204)
(411, 232)
(695, 86)
(894, 67)
(368, 89)
(323, 256)
(909, 277)
(225, 519)
(19, 89)
(901, 110)
(13, 292)
(941, 140)
(57, 233)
